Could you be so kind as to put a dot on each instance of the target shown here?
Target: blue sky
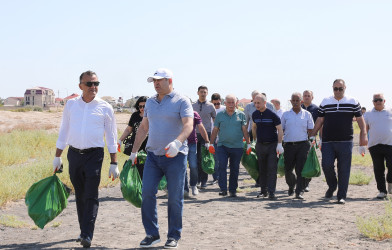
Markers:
(278, 47)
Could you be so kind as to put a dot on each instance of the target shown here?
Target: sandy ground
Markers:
(210, 221)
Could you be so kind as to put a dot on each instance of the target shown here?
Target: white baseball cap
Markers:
(160, 74)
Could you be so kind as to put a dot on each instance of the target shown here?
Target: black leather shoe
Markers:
(272, 196)
(223, 193)
(86, 242)
(291, 191)
(329, 194)
(233, 194)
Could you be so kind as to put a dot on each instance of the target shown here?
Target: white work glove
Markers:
(113, 171)
(133, 158)
(248, 149)
(312, 139)
(362, 150)
(172, 148)
(319, 144)
(56, 163)
(279, 149)
(207, 145)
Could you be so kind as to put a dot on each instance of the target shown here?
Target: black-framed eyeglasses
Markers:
(217, 104)
(142, 106)
(378, 100)
(89, 84)
(338, 89)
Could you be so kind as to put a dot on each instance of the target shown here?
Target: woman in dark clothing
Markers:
(129, 134)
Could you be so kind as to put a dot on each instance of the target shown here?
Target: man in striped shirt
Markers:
(335, 115)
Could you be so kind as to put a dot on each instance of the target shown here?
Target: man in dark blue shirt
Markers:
(313, 109)
(268, 131)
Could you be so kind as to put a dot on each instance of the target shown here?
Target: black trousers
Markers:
(381, 153)
(203, 177)
(268, 166)
(294, 158)
(85, 175)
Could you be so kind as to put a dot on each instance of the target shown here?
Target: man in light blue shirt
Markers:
(296, 124)
(231, 127)
(168, 118)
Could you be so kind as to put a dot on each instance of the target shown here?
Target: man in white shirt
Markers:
(379, 127)
(279, 110)
(85, 122)
(296, 124)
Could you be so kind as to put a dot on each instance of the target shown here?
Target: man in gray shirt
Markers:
(207, 112)
(168, 118)
(379, 126)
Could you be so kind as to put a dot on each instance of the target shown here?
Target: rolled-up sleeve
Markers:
(111, 130)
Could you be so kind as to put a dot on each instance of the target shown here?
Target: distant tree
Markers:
(1, 101)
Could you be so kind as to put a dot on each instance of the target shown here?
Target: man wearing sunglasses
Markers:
(335, 116)
(168, 119)
(379, 126)
(86, 121)
(207, 112)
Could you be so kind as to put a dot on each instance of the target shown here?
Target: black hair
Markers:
(202, 87)
(88, 72)
(215, 97)
(141, 99)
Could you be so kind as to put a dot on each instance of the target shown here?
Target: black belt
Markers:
(294, 142)
(266, 142)
(82, 151)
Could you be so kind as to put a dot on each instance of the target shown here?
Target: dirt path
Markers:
(213, 222)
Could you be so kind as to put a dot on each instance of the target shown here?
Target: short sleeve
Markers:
(275, 119)
(186, 109)
(213, 112)
(196, 118)
(283, 121)
(310, 120)
(357, 109)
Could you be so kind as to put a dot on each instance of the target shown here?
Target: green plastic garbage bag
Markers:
(163, 183)
(312, 165)
(131, 184)
(281, 165)
(46, 199)
(207, 161)
(250, 162)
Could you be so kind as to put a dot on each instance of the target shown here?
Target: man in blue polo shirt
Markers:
(336, 117)
(296, 124)
(168, 118)
(231, 126)
(268, 131)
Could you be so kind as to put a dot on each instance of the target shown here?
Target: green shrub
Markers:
(377, 227)
(359, 178)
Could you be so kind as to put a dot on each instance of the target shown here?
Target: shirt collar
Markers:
(199, 102)
(95, 100)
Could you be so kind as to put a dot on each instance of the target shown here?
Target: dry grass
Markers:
(359, 178)
(26, 157)
(9, 220)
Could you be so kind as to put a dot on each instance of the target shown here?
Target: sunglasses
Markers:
(89, 84)
(142, 106)
(217, 104)
(378, 100)
(338, 89)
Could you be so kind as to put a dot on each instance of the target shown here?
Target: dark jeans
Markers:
(379, 154)
(202, 176)
(224, 154)
(294, 158)
(85, 175)
(342, 152)
(268, 166)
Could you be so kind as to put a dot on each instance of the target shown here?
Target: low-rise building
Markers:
(13, 101)
(39, 96)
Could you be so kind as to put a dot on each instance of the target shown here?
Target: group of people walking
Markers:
(178, 130)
